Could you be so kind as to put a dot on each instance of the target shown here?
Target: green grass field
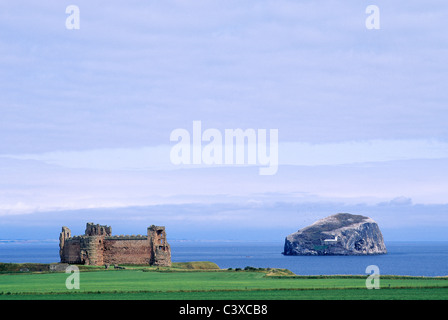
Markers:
(194, 283)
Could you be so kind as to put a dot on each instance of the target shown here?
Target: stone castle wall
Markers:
(127, 251)
(98, 247)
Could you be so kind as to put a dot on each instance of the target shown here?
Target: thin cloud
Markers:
(133, 73)
(290, 153)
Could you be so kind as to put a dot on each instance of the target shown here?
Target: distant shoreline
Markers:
(214, 241)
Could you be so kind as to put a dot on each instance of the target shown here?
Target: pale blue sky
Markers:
(86, 115)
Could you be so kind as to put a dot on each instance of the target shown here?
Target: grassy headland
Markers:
(204, 280)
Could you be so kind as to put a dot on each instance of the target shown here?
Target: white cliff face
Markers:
(340, 234)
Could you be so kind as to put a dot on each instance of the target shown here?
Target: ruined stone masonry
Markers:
(98, 247)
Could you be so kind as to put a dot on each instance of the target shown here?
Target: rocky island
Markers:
(339, 234)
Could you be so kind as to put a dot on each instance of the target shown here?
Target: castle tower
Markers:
(97, 230)
(63, 236)
(92, 244)
(160, 249)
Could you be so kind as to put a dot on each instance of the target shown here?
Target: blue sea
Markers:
(403, 258)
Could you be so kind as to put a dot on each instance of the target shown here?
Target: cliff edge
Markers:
(339, 234)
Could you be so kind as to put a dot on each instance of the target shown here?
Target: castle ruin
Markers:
(98, 247)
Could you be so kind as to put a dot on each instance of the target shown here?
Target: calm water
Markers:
(403, 258)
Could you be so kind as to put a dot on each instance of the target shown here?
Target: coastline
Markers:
(405, 258)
